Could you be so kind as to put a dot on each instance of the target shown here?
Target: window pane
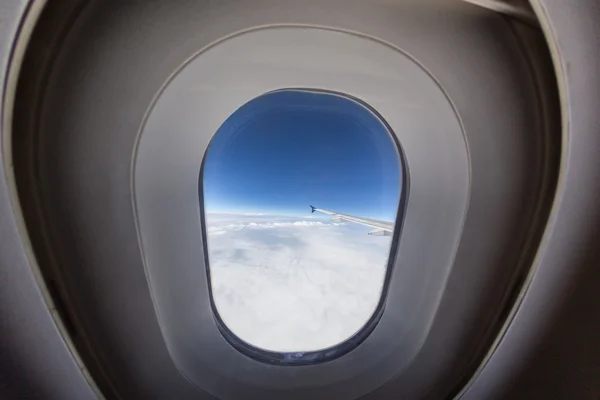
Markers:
(284, 278)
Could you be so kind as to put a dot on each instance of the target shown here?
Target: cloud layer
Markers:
(294, 284)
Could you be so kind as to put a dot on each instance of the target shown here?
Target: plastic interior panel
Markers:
(175, 136)
(549, 349)
(108, 74)
(24, 313)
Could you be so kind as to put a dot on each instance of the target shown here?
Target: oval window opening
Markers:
(300, 191)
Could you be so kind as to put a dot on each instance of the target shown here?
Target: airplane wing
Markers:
(382, 228)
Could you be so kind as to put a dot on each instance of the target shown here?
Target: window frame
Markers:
(329, 353)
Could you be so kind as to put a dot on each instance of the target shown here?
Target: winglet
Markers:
(312, 209)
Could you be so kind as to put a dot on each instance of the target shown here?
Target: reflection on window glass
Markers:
(300, 193)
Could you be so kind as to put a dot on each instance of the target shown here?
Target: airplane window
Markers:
(300, 191)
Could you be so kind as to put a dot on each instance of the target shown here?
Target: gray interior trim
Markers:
(540, 331)
(32, 335)
(189, 111)
(107, 74)
(517, 9)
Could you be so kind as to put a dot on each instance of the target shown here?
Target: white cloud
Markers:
(292, 284)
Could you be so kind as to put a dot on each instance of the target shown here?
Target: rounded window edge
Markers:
(304, 358)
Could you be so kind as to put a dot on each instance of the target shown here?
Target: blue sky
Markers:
(285, 150)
